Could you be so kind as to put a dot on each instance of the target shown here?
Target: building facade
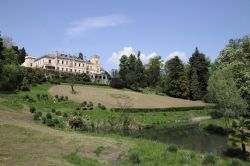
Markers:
(68, 63)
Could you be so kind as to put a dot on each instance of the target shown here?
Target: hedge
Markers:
(170, 109)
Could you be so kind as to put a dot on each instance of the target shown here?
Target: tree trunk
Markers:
(72, 88)
(243, 146)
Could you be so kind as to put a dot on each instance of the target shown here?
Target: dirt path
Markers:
(200, 118)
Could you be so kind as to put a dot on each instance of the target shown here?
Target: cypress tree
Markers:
(139, 69)
(123, 67)
(131, 72)
(194, 86)
(22, 55)
(176, 83)
(199, 66)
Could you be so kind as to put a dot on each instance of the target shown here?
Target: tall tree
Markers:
(22, 55)
(139, 69)
(177, 82)
(199, 64)
(1, 54)
(131, 73)
(123, 67)
(153, 70)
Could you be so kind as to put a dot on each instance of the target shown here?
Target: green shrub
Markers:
(65, 115)
(50, 123)
(61, 98)
(56, 96)
(99, 150)
(48, 116)
(38, 96)
(56, 121)
(58, 113)
(232, 150)
(53, 110)
(84, 103)
(185, 158)
(32, 109)
(209, 159)
(235, 162)
(43, 119)
(66, 98)
(172, 148)
(37, 116)
(40, 114)
(216, 114)
(134, 157)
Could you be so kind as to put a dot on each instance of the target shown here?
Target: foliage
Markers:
(172, 148)
(198, 66)
(209, 159)
(153, 71)
(176, 83)
(212, 128)
(98, 150)
(32, 109)
(134, 157)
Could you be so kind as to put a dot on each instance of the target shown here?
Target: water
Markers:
(192, 138)
(189, 137)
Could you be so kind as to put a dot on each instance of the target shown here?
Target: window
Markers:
(66, 69)
(75, 64)
(62, 61)
(62, 68)
(79, 64)
(66, 62)
(57, 61)
(31, 64)
(49, 61)
(70, 70)
(83, 65)
(57, 68)
(79, 71)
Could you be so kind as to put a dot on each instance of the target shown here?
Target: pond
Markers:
(190, 137)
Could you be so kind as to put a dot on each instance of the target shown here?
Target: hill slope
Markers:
(112, 97)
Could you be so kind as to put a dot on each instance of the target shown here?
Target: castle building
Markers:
(68, 63)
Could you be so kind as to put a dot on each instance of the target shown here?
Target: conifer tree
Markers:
(199, 66)
(139, 69)
(123, 67)
(22, 55)
(194, 86)
(176, 78)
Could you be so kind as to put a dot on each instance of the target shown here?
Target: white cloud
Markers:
(181, 55)
(80, 27)
(115, 57)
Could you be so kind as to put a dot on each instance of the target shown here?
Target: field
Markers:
(29, 142)
(113, 98)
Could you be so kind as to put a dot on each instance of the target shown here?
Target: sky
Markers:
(111, 28)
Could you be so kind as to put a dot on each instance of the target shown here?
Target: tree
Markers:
(237, 55)
(1, 54)
(131, 72)
(123, 67)
(176, 78)
(199, 63)
(72, 81)
(80, 56)
(241, 130)
(153, 70)
(22, 55)
(9, 77)
(139, 71)
(194, 86)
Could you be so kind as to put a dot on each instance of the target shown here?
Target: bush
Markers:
(56, 121)
(232, 150)
(38, 96)
(209, 159)
(32, 109)
(66, 98)
(99, 150)
(134, 157)
(50, 123)
(61, 98)
(117, 83)
(53, 110)
(43, 119)
(65, 115)
(40, 114)
(56, 96)
(48, 116)
(172, 148)
(58, 113)
(37, 116)
(185, 158)
(235, 162)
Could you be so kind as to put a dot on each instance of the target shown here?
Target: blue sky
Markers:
(110, 28)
